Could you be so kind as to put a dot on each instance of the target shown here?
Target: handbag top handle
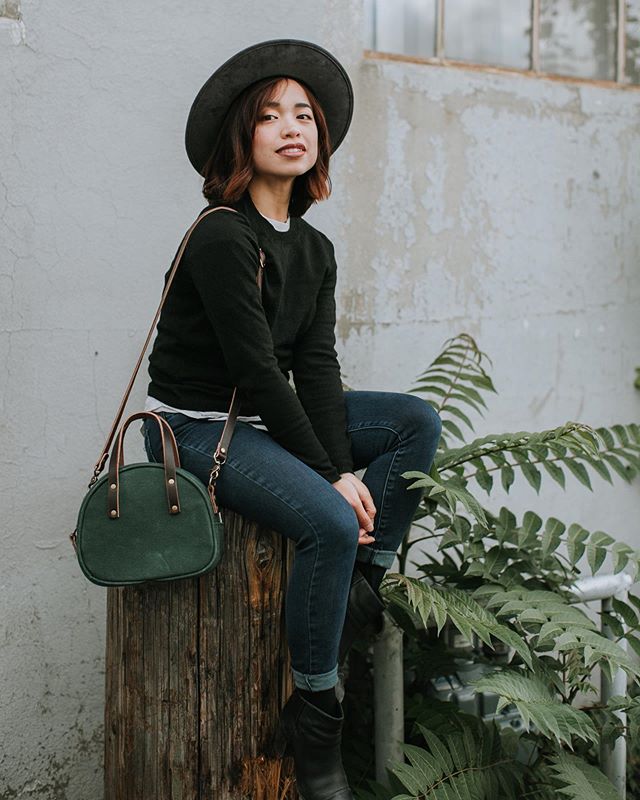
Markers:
(235, 404)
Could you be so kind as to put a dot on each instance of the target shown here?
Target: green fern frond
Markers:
(532, 545)
(456, 378)
(466, 765)
(538, 706)
(452, 491)
(581, 780)
(418, 597)
(547, 619)
(573, 447)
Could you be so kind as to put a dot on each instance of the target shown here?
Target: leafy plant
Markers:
(498, 579)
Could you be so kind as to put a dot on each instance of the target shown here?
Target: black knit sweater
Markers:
(215, 332)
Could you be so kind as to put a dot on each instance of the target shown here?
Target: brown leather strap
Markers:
(227, 432)
(170, 460)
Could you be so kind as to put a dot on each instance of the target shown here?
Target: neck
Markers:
(271, 196)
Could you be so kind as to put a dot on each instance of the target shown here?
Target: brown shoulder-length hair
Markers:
(229, 168)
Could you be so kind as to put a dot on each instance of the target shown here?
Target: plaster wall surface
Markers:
(498, 205)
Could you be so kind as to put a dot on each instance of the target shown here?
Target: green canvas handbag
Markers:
(149, 521)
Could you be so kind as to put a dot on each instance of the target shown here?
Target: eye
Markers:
(264, 116)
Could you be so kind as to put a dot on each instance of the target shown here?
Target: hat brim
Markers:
(301, 60)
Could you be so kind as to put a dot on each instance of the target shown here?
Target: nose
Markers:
(291, 128)
(291, 131)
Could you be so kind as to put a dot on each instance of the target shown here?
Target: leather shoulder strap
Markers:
(233, 412)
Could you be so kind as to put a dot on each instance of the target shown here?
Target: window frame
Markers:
(534, 70)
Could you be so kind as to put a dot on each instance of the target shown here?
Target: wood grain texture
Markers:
(196, 673)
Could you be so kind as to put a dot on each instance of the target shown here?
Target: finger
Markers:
(353, 496)
(364, 494)
(367, 501)
(364, 520)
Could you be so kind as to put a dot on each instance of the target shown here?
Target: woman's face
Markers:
(286, 121)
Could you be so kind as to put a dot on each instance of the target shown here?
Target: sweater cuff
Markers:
(331, 475)
(344, 466)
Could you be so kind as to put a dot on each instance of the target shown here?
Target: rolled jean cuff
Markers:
(315, 683)
(382, 558)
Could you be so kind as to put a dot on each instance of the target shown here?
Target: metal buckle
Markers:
(218, 459)
(212, 497)
(98, 469)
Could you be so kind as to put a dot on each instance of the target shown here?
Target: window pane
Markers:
(578, 37)
(10, 8)
(632, 65)
(488, 31)
(401, 26)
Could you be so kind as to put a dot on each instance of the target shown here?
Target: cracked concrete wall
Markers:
(506, 207)
(463, 201)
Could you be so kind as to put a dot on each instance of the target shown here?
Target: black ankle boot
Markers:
(313, 738)
(364, 613)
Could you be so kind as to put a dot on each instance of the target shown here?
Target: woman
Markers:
(261, 132)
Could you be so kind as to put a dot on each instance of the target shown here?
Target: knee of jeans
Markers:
(423, 416)
(340, 528)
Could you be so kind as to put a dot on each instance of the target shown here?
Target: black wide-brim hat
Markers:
(304, 61)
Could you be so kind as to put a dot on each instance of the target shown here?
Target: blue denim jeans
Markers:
(391, 433)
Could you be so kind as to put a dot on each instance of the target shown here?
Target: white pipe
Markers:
(613, 761)
(388, 697)
(600, 586)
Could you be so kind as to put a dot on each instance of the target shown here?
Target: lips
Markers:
(293, 147)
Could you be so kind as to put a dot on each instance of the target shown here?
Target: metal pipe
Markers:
(534, 50)
(613, 761)
(621, 41)
(439, 29)
(601, 586)
(388, 697)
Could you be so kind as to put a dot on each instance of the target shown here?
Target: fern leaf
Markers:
(604, 649)
(581, 780)
(465, 613)
(531, 524)
(555, 471)
(580, 472)
(576, 542)
(623, 471)
(508, 476)
(451, 426)
(537, 705)
(598, 465)
(626, 612)
(553, 531)
(460, 414)
(621, 555)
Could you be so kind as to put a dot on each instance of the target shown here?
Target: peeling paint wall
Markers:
(505, 207)
(463, 201)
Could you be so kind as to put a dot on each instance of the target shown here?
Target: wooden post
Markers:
(196, 673)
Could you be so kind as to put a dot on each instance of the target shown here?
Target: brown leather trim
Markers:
(170, 460)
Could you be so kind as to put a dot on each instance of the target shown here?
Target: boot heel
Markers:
(281, 743)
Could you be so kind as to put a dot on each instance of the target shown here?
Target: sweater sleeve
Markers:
(316, 374)
(223, 264)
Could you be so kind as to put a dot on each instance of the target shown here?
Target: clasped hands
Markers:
(359, 498)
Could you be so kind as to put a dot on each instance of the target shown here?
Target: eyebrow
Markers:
(276, 104)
